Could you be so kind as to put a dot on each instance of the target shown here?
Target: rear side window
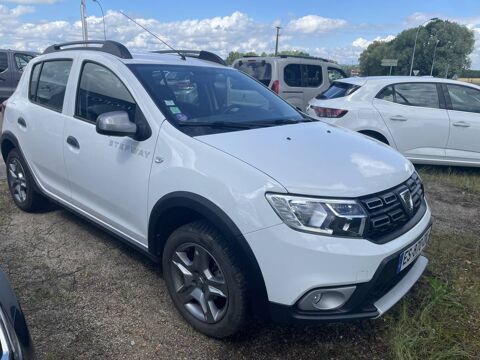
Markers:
(417, 94)
(101, 91)
(21, 60)
(260, 70)
(337, 90)
(292, 75)
(312, 76)
(52, 83)
(335, 74)
(3, 61)
(464, 98)
(386, 94)
(34, 81)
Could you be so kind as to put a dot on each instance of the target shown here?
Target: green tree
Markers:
(453, 44)
(234, 55)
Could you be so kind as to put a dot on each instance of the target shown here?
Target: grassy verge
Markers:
(441, 318)
(4, 199)
(464, 178)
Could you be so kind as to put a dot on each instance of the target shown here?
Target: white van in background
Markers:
(297, 79)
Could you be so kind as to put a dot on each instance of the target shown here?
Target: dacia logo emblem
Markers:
(407, 200)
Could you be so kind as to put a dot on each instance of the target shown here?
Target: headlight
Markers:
(324, 216)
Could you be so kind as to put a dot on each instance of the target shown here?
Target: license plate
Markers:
(408, 256)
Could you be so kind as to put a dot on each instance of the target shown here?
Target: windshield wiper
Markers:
(221, 124)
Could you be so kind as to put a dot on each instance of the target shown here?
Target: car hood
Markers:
(317, 159)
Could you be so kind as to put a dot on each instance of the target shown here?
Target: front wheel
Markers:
(204, 281)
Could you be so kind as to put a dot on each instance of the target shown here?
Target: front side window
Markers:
(335, 74)
(292, 75)
(200, 100)
(464, 98)
(3, 61)
(417, 94)
(101, 91)
(312, 75)
(21, 60)
(52, 84)
(260, 70)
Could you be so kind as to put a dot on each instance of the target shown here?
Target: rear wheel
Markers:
(204, 281)
(21, 185)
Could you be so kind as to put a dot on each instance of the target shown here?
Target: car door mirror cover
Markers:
(116, 123)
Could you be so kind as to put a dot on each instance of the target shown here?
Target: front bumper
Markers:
(294, 263)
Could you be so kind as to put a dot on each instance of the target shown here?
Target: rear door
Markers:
(417, 119)
(6, 87)
(313, 80)
(291, 84)
(464, 112)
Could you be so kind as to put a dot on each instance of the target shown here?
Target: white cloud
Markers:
(363, 43)
(315, 24)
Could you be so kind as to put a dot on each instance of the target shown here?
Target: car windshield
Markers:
(337, 90)
(200, 100)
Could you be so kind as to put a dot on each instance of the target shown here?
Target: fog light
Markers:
(326, 299)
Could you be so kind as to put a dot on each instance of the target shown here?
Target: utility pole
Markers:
(276, 43)
(83, 11)
(415, 43)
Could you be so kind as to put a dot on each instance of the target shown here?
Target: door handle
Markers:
(21, 121)
(73, 142)
(398, 118)
(461, 124)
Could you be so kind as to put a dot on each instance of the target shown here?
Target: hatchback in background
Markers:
(297, 79)
(429, 120)
(12, 63)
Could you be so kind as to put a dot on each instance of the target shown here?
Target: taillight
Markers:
(276, 86)
(328, 112)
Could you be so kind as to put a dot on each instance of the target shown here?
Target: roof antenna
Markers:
(155, 36)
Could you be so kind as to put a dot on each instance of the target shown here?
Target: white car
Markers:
(429, 120)
(252, 208)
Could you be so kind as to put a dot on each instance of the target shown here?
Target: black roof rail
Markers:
(284, 56)
(107, 46)
(198, 54)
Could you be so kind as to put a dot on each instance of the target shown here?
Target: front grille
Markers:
(387, 211)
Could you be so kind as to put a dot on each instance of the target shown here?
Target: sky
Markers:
(339, 30)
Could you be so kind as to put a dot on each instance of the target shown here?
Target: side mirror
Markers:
(116, 123)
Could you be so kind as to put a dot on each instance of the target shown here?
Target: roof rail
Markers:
(198, 54)
(284, 56)
(107, 46)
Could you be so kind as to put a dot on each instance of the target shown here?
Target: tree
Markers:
(453, 44)
(234, 55)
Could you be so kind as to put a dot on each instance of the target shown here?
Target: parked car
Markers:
(429, 120)
(297, 79)
(253, 208)
(15, 341)
(12, 63)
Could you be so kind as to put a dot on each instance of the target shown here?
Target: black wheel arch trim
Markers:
(218, 218)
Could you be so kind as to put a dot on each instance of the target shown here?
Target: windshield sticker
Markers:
(169, 102)
(175, 110)
(181, 117)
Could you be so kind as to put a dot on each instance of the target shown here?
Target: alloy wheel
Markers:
(17, 180)
(199, 283)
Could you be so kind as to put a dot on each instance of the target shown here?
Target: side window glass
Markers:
(464, 98)
(100, 91)
(53, 83)
(32, 93)
(417, 94)
(312, 76)
(21, 60)
(292, 75)
(3, 61)
(335, 74)
(386, 94)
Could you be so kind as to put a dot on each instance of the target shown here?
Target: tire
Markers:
(188, 250)
(21, 184)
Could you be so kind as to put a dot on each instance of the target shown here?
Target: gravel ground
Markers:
(86, 295)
